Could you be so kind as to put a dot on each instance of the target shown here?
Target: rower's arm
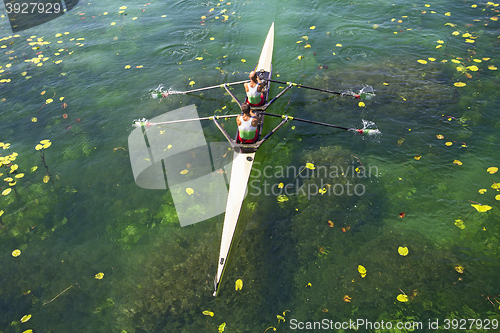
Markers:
(262, 85)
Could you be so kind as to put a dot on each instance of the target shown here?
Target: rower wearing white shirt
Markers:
(254, 90)
(247, 125)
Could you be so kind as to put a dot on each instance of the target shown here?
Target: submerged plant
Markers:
(44, 144)
(280, 319)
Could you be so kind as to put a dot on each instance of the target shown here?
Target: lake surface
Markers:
(406, 229)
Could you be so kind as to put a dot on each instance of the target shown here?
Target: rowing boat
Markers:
(242, 166)
(244, 153)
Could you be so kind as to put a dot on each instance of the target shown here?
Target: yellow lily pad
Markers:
(403, 251)
(481, 208)
(238, 285)
(25, 318)
(492, 170)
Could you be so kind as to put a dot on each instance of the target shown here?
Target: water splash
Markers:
(367, 92)
(160, 92)
(371, 129)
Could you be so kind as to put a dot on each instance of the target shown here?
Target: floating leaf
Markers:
(25, 318)
(422, 61)
(482, 191)
(183, 172)
(46, 143)
(362, 271)
(191, 83)
(417, 157)
(361, 104)
(481, 208)
(402, 214)
(402, 298)
(432, 59)
(6, 191)
(440, 136)
(459, 84)
(243, 60)
(300, 57)
(492, 170)
(331, 224)
(448, 143)
(16, 253)
(222, 327)
(208, 313)
(127, 66)
(312, 27)
(282, 198)
(189, 191)
(310, 166)
(238, 285)
(46, 179)
(459, 268)
(473, 68)
(48, 101)
(496, 186)
(403, 251)
(99, 276)
(34, 119)
(199, 58)
(34, 168)
(338, 45)
(28, 331)
(457, 162)
(459, 223)
(281, 185)
(497, 197)
(347, 298)
(491, 67)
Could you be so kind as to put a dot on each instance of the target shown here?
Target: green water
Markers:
(91, 217)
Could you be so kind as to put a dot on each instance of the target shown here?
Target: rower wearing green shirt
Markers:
(247, 125)
(254, 89)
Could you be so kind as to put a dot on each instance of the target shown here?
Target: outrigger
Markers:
(244, 153)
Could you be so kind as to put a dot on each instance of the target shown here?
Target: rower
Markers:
(247, 125)
(255, 89)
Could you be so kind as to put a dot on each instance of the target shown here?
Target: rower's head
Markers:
(245, 108)
(253, 76)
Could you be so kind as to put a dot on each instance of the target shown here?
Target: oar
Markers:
(318, 89)
(146, 123)
(160, 93)
(360, 131)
